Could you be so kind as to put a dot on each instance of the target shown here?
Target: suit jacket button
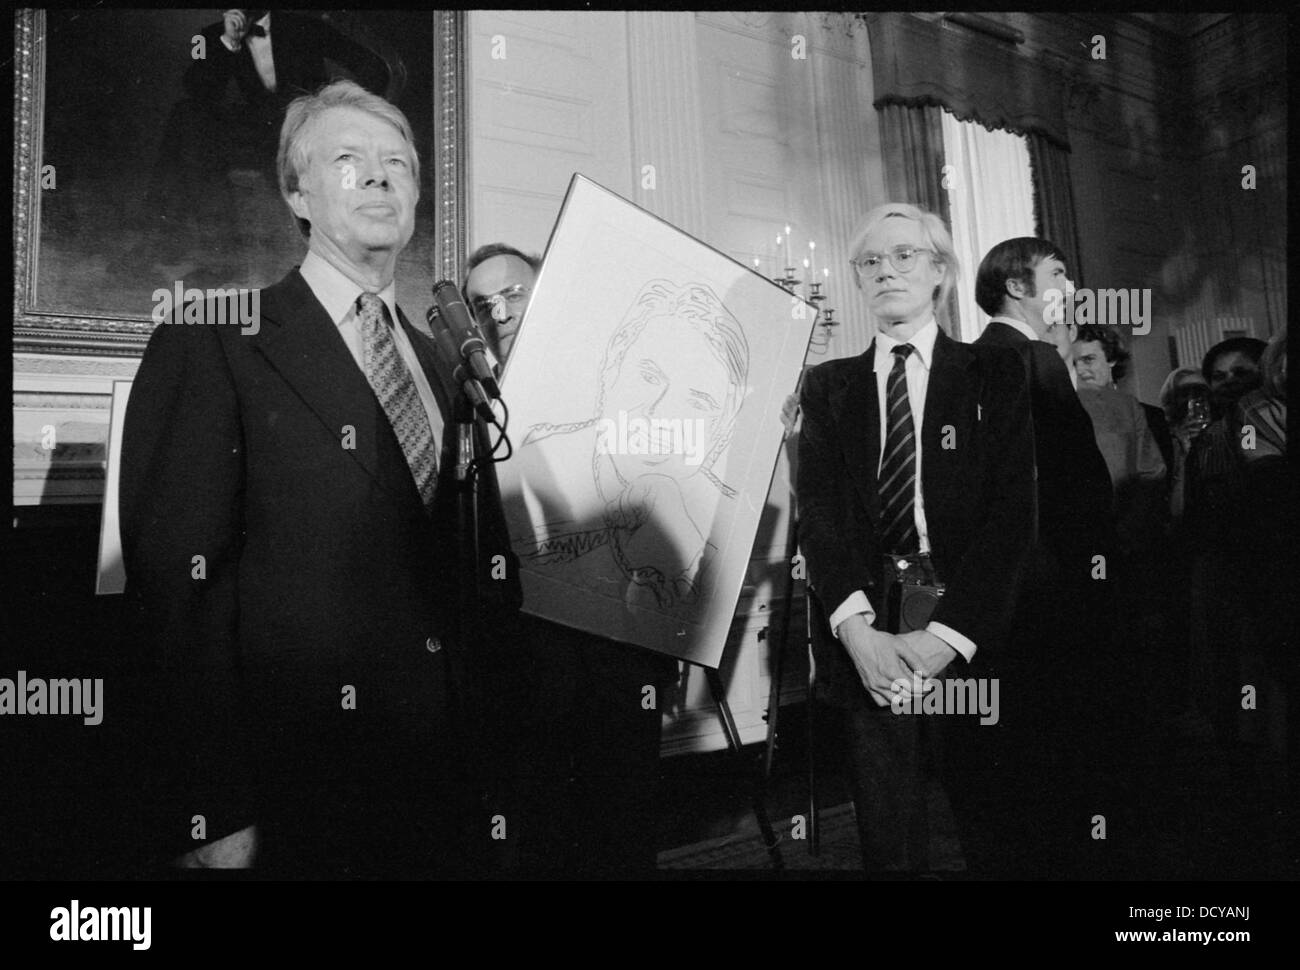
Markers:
(433, 644)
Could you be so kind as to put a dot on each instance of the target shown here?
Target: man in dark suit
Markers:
(921, 447)
(1064, 625)
(289, 517)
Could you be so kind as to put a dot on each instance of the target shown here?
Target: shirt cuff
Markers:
(857, 602)
(948, 635)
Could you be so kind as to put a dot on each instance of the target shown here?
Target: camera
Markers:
(912, 591)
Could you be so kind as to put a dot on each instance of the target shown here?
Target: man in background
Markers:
(586, 761)
(498, 285)
(1065, 620)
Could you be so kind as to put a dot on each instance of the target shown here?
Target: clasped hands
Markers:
(884, 659)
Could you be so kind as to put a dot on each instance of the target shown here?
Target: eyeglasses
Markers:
(903, 259)
(496, 305)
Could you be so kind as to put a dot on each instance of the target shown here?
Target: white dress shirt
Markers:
(338, 295)
(917, 372)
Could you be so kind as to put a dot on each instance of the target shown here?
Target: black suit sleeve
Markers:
(1074, 485)
(979, 598)
(181, 498)
(832, 521)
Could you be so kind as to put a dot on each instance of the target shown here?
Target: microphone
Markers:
(469, 384)
(446, 297)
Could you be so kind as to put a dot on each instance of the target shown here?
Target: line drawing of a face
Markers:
(679, 358)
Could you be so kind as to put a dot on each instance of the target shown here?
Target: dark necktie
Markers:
(393, 385)
(257, 30)
(898, 470)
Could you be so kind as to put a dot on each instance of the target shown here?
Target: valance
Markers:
(918, 62)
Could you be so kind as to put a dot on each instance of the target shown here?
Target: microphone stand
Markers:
(469, 555)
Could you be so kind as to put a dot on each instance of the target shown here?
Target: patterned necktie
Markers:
(898, 470)
(393, 385)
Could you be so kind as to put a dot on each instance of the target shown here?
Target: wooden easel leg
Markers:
(733, 742)
(778, 646)
(814, 829)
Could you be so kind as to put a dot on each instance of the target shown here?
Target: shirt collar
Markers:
(338, 293)
(1018, 325)
(922, 345)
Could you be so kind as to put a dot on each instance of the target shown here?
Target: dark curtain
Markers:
(912, 142)
(921, 61)
(922, 65)
(1054, 200)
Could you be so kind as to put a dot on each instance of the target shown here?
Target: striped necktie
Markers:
(392, 383)
(898, 470)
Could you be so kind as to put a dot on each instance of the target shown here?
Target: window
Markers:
(990, 198)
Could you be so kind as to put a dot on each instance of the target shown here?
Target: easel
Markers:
(778, 675)
(758, 801)
(778, 670)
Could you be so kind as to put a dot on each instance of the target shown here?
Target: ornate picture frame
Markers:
(66, 303)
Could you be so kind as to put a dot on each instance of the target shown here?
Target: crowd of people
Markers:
(997, 513)
(1201, 513)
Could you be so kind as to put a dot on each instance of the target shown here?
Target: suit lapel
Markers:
(857, 412)
(301, 342)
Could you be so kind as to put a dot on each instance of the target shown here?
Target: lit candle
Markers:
(787, 246)
(757, 264)
(776, 255)
(812, 255)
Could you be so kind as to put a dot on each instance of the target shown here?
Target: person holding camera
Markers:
(915, 458)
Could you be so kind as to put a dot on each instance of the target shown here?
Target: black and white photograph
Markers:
(888, 483)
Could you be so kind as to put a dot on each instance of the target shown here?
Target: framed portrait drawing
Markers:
(145, 154)
(646, 387)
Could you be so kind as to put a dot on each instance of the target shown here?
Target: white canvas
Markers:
(645, 390)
